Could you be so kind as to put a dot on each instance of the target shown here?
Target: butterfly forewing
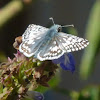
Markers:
(34, 31)
(32, 39)
(71, 43)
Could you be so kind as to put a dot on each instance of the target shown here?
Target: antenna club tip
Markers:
(51, 18)
(68, 25)
(72, 25)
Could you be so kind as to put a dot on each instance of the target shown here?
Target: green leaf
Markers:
(53, 83)
(93, 35)
(1, 88)
(88, 93)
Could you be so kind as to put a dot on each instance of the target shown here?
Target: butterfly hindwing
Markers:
(51, 51)
(29, 49)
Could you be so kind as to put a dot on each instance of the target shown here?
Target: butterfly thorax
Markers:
(50, 34)
(52, 31)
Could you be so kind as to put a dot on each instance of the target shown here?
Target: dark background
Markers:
(64, 12)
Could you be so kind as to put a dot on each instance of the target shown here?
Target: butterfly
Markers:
(49, 43)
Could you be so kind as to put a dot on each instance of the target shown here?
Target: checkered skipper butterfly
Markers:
(48, 44)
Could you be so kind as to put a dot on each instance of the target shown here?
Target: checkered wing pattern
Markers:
(33, 32)
(32, 39)
(49, 45)
(70, 43)
(60, 44)
(51, 51)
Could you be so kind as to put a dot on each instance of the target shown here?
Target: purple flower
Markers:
(66, 61)
(34, 95)
(19, 56)
(38, 96)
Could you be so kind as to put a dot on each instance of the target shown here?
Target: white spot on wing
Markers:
(38, 37)
(69, 50)
(54, 42)
(54, 48)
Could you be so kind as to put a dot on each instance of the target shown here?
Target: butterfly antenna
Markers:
(52, 20)
(68, 25)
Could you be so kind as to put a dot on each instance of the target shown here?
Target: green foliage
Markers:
(93, 35)
(2, 57)
(12, 9)
(53, 83)
(20, 75)
(88, 93)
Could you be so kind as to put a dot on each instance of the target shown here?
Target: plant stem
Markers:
(10, 10)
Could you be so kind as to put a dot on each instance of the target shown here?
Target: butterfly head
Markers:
(57, 27)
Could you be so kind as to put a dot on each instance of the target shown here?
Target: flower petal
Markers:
(38, 96)
(66, 61)
(57, 61)
(68, 67)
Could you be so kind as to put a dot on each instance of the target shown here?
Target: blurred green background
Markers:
(16, 15)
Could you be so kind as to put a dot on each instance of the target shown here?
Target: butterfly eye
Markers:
(59, 29)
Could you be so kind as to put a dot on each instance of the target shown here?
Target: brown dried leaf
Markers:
(18, 41)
